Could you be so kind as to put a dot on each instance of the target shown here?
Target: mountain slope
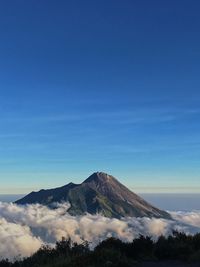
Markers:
(100, 193)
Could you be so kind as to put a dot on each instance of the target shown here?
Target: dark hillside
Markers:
(177, 250)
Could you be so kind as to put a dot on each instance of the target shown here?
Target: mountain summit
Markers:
(99, 193)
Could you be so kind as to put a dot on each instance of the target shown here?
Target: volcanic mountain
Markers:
(100, 193)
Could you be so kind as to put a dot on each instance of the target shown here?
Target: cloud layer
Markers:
(23, 229)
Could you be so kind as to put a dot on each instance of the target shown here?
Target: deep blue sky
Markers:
(100, 85)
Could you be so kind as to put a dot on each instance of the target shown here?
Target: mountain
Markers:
(100, 193)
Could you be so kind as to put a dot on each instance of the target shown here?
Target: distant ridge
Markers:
(99, 193)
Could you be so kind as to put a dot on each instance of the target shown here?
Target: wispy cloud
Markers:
(134, 116)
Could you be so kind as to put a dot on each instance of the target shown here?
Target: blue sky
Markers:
(100, 85)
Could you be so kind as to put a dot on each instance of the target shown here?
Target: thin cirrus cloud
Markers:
(136, 116)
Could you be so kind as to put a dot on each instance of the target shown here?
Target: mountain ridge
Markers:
(99, 193)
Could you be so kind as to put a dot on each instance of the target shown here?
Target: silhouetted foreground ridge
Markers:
(178, 250)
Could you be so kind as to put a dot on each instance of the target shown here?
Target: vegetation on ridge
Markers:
(114, 253)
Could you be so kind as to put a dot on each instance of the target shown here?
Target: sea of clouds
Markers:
(24, 229)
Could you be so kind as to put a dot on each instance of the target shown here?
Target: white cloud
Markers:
(23, 229)
(17, 240)
(192, 218)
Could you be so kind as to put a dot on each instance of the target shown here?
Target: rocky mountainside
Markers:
(100, 193)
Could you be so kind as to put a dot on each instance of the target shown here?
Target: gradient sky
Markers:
(100, 85)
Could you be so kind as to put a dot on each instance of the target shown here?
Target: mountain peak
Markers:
(99, 177)
(99, 193)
